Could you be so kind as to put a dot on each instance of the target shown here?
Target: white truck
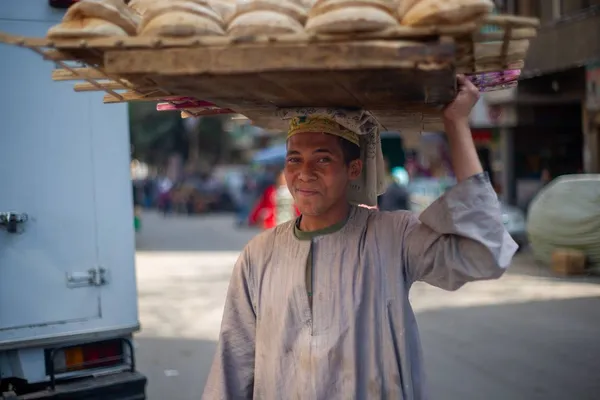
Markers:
(68, 297)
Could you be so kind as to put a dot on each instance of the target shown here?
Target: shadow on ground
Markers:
(539, 350)
(176, 369)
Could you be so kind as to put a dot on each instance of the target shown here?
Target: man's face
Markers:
(316, 173)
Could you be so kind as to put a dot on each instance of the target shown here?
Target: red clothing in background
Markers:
(266, 208)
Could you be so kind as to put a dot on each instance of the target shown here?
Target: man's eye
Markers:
(325, 160)
(293, 160)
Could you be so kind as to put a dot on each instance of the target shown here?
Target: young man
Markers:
(318, 307)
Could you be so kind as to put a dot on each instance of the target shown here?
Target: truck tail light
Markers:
(87, 356)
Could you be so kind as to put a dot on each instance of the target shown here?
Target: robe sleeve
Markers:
(232, 372)
(459, 238)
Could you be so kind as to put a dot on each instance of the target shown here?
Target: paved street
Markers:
(527, 336)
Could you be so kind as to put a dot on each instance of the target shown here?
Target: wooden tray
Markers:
(404, 76)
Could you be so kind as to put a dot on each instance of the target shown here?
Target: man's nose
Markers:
(307, 172)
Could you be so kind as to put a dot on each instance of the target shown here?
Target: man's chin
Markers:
(312, 210)
(310, 213)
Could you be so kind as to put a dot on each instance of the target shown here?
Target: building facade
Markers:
(550, 121)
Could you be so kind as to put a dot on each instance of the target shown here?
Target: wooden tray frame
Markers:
(92, 55)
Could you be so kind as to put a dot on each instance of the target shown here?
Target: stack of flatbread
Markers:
(96, 18)
(352, 16)
(267, 17)
(442, 12)
(181, 18)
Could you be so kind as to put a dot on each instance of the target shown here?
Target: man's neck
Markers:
(337, 214)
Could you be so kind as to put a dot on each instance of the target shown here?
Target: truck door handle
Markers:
(12, 221)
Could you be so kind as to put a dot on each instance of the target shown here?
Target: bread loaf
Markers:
(446, 12)
(305, 4)
(140, 6)
(262, 17)
(96, 18)
(351, 16)
(263, 23)
(403, 6)
(225, 8)
(181, 18)
(85, 28)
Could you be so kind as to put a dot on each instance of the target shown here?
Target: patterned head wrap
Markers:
(305, 124)
(356, 126)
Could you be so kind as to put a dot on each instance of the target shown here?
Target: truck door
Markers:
(49, 273)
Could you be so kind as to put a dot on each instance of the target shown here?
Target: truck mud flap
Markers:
(120, 386)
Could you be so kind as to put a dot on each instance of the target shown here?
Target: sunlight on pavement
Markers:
(182, 293)
(507, 290)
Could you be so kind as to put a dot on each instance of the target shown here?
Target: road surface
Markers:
(527, 336)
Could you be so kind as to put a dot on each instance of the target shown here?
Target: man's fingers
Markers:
(467, 85)
(464, 81)
(470, 85)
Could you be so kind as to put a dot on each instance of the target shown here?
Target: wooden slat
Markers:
(124, 85)
(133, 96)
(300, 87)
(101, 86)
(292, 57)
(512, 20)
(78, 74)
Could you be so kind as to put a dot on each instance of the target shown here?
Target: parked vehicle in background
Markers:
(68, 296)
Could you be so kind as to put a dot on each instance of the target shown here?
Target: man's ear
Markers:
(354, 169)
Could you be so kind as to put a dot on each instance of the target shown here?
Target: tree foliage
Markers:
(155, 135)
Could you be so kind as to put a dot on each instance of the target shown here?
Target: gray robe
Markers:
(360, 341)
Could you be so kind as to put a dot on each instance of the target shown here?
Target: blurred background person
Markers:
(396, 196)
(275, 205)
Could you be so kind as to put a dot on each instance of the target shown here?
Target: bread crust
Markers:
(225, 9)
(351, 20)
(404, 6)
(164, 7)
(263, 23)
(113, 11)
(324, 6)
(446, 12)
(85, 28)
(181, 24)
(285, 7)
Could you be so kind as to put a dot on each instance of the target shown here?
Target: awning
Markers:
(272, 155)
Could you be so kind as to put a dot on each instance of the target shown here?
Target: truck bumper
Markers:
(120, 386)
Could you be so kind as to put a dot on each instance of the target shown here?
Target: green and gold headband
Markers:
(322, 125)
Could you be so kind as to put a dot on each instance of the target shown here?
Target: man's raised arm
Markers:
(461, 236)
(463, 153)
